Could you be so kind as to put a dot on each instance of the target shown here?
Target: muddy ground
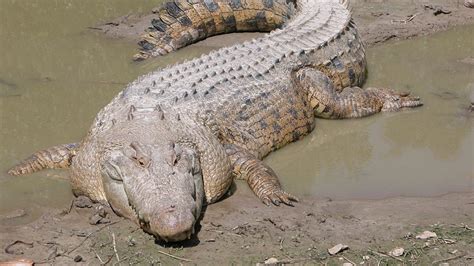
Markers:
(241, 230)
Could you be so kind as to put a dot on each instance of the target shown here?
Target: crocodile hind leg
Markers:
(352, 101)
(261, 178)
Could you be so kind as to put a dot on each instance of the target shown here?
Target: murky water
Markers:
(421, 152)
(56, 74)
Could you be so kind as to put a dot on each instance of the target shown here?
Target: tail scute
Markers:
(55, 157)
(180, 23)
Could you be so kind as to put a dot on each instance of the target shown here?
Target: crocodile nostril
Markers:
(171, 209)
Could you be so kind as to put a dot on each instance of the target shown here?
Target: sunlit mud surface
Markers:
(56, 74)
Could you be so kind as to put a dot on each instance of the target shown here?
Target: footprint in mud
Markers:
(17, 247)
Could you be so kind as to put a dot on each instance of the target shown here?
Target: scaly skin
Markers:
(54, 158)
(177, 136)
(180, 23)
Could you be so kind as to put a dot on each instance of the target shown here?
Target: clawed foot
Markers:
(261, 178)
(394, 100)
(407, 100)
(278, 196)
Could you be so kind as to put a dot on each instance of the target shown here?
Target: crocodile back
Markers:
(217, 75)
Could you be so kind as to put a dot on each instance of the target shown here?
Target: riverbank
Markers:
(240, 229)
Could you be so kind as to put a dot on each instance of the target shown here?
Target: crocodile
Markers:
(174, 139)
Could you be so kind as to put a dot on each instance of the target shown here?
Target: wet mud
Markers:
(241, 231)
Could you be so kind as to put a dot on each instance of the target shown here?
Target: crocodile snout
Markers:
(173, 225)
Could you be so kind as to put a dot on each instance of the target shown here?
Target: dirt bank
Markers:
(378, 20)
(240, 229)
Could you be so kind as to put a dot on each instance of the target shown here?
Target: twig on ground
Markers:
(68, 210)
(405, 21)
(348, 260)
(468, 228)
(100, 259)
(90, 234)
(384, 255)
(411, 17)
(173, 256)
(293, 261)
(449, 259)
(115, 247)
(122, 260)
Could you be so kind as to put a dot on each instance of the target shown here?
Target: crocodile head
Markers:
(158, 185)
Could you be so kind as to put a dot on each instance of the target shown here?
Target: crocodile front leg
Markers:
(262, 179)
(352, 101)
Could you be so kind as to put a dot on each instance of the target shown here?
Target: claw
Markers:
(395, 101)
(286, 201)
(278, 197)
(408, 100)
(292, 198)
(266, 201)
(276, 202)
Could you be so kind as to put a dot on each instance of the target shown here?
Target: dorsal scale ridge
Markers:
(315, 24)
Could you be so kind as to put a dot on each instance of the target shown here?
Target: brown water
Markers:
(421, 152)
(56, 74)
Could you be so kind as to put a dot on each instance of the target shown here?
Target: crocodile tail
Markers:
(54, 158)
(180, 23)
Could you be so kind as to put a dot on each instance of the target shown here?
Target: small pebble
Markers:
(271, 261)
(426, 235)
(78, 258)
(337, 248)
(397, 252)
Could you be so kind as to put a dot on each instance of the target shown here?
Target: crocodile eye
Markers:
(141, 155)
(175, 159)
(142, 161)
